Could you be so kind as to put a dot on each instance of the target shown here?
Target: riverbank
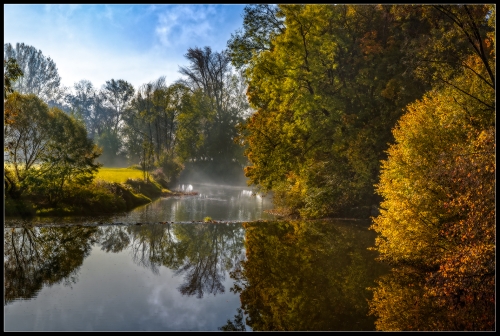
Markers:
(114, 190)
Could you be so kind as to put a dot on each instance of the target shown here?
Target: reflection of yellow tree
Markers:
(37, 256)
(307, 276)
(402, 301)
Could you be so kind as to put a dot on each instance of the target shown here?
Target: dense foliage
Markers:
(334, 86)
(355, 107)
(437, 223)
(327, 93)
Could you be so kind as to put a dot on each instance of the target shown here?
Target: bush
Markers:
(23, 208)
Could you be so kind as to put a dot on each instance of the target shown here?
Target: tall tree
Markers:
(437, 224)
(327, 93)
(111, 103)
(261, 23)
(84, 102)
(40, 72)
(211, 72)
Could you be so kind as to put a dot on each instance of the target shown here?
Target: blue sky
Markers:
(137, 43)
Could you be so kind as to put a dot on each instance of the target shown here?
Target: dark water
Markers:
(266, 275)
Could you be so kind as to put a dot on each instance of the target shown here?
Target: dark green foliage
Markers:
(11, 72)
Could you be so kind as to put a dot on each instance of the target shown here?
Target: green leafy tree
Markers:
(327, 92)
(261, 23)
(11, 72)
(46, 147)
(211, 73)
(70, 159)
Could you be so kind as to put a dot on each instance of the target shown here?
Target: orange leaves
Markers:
(369, 44)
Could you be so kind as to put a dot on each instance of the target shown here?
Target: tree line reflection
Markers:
(201, 253)
(295, 275)
(34, 257)
(305, 275)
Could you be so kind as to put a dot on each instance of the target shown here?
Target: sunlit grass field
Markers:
(119, 175)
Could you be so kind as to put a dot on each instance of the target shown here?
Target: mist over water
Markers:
(219, 202)
(212, 173)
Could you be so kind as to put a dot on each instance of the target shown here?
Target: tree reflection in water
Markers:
(113, 238)
(307, 275)
(34, 257)
(405, 300)
(210, 251)
(203, 253)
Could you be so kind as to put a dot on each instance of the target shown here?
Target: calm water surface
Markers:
(273, 275)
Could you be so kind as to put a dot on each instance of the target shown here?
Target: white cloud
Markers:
(183, 23)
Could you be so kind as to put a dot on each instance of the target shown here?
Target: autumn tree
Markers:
(261, 22)
(45, 146)
(327, 92)
(438, 185)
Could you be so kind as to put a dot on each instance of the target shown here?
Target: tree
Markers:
(439, 203)
(438, 184)
(327, 92)
(40, 75)
(117, 96)
(26, 139)
(260, 24)
(211, 72)
(85, 103)
(151, 125)
(45, 146)
(111, 103)
(11, 72)
(70, 159)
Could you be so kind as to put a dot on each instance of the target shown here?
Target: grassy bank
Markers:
(118, 175)
(113, 190)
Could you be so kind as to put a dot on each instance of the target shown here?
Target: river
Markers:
(161, 268)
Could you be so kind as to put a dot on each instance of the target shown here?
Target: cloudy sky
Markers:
(137, 43)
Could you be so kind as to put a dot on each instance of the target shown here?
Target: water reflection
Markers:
(34, 257)
(303, 275)
(202, 253)
(222, 203)
(405, 300)
(289, 275)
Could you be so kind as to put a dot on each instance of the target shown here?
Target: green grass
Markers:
(119, 175)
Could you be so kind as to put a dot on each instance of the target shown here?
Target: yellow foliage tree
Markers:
(438, 213)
